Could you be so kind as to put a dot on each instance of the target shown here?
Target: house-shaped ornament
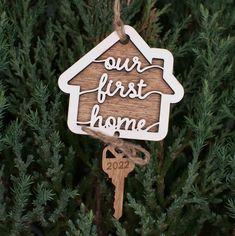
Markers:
(122, 89)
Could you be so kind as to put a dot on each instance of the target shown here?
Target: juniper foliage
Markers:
(51, 180)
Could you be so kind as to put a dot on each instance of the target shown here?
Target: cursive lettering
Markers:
(111, 63)
(116, 124)
(106, 87)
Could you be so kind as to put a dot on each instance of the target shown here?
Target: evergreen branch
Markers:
(21, 191)
(231, 208)
(83, 225)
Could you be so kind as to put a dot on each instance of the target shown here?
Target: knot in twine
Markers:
(129, 150)
(117, 21)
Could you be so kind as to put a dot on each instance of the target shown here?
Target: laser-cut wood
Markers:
(124, 88)
(137, 94)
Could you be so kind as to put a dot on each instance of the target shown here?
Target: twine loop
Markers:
(117, 21)
(129, 150)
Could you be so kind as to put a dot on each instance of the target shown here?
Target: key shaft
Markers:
(118, 183)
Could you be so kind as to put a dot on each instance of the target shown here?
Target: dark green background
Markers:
(51, 179)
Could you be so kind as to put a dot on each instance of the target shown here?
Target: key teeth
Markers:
(113, 182)
(116, 216)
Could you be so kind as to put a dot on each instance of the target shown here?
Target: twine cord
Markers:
(117, 21)
(129, 150)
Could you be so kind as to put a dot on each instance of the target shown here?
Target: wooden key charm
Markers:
(117, 169)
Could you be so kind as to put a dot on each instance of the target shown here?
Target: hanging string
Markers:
(117, 21)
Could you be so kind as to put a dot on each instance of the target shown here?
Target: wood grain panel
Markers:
(117, 106)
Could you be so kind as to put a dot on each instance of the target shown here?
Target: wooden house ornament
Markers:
(123, 89)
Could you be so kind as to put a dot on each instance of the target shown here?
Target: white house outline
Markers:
(149, 53)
